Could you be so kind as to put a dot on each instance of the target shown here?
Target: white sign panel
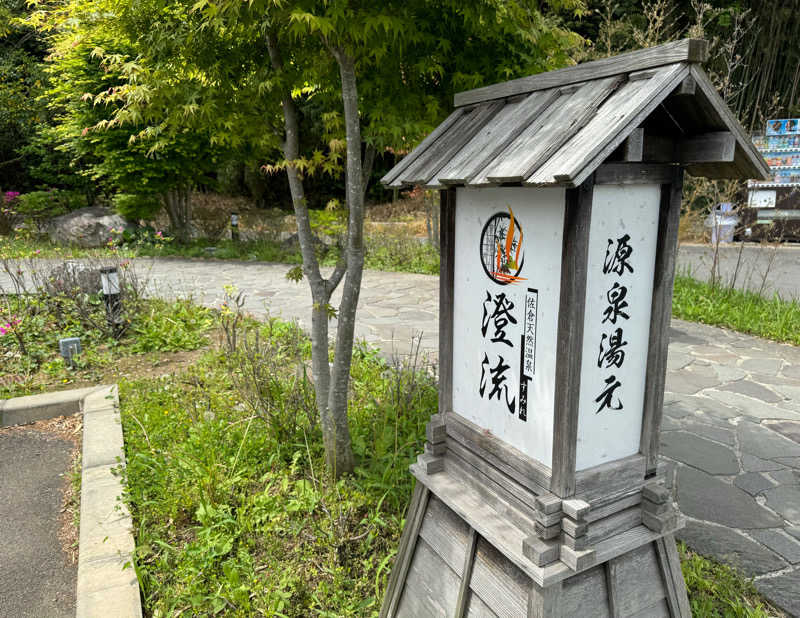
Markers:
(619, 290)
(505, 312)
(761, 198)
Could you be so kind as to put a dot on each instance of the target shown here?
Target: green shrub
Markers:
(39, 205)
(137, 205)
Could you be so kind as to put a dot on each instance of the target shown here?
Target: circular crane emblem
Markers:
(501, 248)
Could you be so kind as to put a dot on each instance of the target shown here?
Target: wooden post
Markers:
(446, 270)
(661, 313)
(577, 220)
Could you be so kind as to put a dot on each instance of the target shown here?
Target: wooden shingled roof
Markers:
(556, 128)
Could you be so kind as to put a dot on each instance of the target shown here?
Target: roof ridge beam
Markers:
(685, 50)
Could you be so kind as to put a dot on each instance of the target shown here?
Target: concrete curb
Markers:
(107, 583)
(22, 410)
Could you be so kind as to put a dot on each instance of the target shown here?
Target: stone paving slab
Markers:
(732, 405)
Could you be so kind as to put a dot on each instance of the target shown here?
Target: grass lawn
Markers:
(384, 251)
(233, 512)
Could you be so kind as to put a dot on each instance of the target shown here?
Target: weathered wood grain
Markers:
(493, 479)
(406, 161)
(584, 591)
(633, 146)
(476, 608)
(405, 551)
(466, 575)
(660, 316)
(657, 610)
(633, 174)
(569, 350)
(621, 113)
(611, 478)
(612, 583)
(448, 145)
(447, 236)
(494, 137)
(622, 502)
(674, 584)
(576, 509)
(446, 533)
(545, 602)
(539, 551)
(525, 470)
(639, 582)
(614, 525)
(578, 560)
(548, 503)
(542, 139)
(548, 519)
(749, 162)
(430, 463)
(500, 584)
(431, 586)
(716, 147)
(547, 532)
(687, 50)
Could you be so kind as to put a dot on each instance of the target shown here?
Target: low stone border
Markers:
(107, 583)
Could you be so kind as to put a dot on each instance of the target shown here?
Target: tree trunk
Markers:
(341, 453)
(335, 433)
(176, 203)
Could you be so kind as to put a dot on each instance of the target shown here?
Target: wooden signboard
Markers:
(540, 491)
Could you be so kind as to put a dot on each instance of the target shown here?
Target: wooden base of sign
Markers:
(466, 551)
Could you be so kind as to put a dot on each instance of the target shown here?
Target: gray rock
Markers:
(677, 409)
(86, 227)
(782, 591)
(703, 496)
(785, 477)
(747, 406)
(791, 371)
(730, 547)
(769, 366)
(765, 443)
(793, 530)
(751, 463)
(753, 483)
(680, 333)
(729, 373)
(711, 430)
(751, 389)
(669, 424)
(788, 429)
(699, 452)
(691, 380)
(792, 462)
(713, 408)
(677, 360)
(786, 501)
(782, 544)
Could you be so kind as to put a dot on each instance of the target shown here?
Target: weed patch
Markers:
(746, 312)
(234, 514)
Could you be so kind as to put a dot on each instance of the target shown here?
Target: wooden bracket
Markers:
(715, 147)
(633, 148)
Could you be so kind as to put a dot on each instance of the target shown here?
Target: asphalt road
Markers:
(760, 268)
(36, 580)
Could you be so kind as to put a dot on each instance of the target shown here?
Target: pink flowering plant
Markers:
(8, 212)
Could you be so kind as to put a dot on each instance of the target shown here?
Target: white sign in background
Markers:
(535, 297)
(622, 242)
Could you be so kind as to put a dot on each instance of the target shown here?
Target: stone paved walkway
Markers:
(731, 423)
